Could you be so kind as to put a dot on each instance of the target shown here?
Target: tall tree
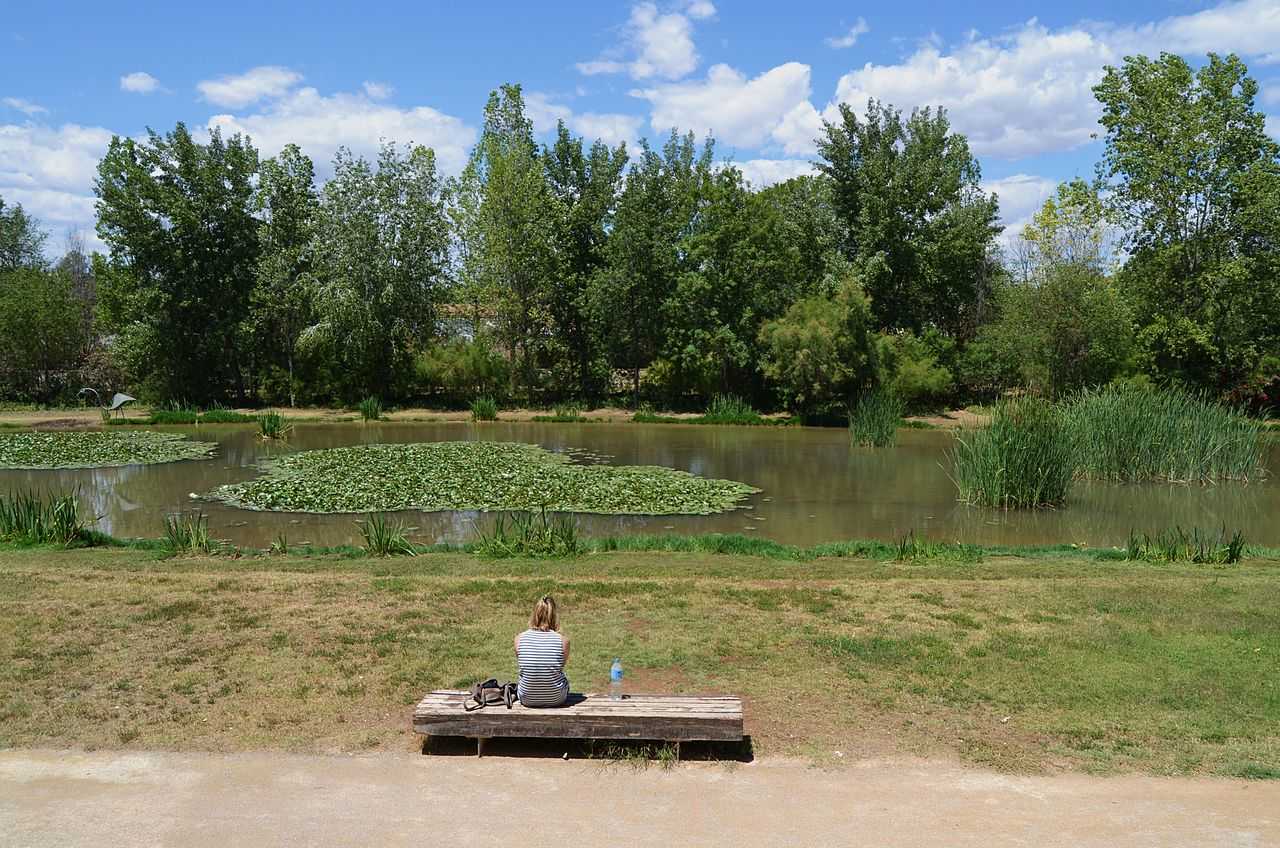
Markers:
(656, 211)
(289, 207)
(380, 256)
(919, 228)
(42, 332)
(587, 184)
(1195, 179)
(1070, 228)
(21, 239)
(177, 216)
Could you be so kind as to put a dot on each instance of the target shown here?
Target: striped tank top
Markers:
(540, 657)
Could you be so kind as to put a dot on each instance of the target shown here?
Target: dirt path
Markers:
(62, 798)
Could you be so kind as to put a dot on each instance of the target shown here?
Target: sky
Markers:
(1014, 76)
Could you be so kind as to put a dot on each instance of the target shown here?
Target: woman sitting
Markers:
(541, 654)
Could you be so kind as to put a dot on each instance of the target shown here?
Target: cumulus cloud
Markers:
(766, 172)
(654, 44)
(50, 171)
(768, 109)
(26, 107)
(1029, 91)
(139, 82)
(320, 124)
(850, 38)
(1021, 196)
(239, 90)
(377, 90)
(609, 127)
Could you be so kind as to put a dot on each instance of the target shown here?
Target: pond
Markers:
(815, 488)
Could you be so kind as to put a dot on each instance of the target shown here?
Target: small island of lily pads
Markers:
(96, 449)
(487, 476)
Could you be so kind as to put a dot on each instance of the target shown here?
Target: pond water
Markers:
(816, 488)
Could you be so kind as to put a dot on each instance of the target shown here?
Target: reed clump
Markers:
(874, 419)
(30, 519)
(1195, 546)
(484, 409)
(529, 534)
(187, 533)
(272, 425)
(1131, 434)
(730, 409)
(1020, 460)
(370, 409)
(385, 536)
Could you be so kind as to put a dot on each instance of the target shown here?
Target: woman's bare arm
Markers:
(565, 639)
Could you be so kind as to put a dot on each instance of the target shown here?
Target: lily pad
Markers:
(96, 449)
(488, 476)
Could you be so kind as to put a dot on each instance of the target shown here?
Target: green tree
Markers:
(586, 184)
(660, 199)
(813, 229)
(289, 207)
(1194, 179)
(21, 239)
(177, 216)
(380, 254)
(822, 353)
(42, 332)
(1070, 228)
(918, 227)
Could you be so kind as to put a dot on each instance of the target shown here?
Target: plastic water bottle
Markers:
(615, 680)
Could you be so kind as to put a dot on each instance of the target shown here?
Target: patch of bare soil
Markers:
(952, 419)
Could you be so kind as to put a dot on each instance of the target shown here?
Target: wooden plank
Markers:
(667, 717)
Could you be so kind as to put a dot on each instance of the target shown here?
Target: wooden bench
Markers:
(666, 718)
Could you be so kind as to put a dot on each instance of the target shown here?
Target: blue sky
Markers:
(1015, 77)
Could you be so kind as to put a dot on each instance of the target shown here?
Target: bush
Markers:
(463, 368)
(484, 409)
(1022, 459)
(874, 421)
(914, 370)
(1127, 433)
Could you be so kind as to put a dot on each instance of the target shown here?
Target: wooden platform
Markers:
(667, 718)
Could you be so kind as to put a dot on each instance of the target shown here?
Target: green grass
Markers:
(1055, 661)
(1178, 545)
(874, 420)
(1021, 459)
(1127, 434)
(484, 409)
(370, 409)
(225, 416)
(731, 409)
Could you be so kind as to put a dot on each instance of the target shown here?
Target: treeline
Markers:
(573, 270)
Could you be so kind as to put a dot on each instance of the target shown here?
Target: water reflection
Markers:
(816, 487)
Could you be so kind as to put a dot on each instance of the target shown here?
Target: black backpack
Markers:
(490, 692)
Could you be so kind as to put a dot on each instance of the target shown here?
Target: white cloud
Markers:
(239, 90)
(766, 172)
(321, 124)
(544, 114)
(654, 44)
(768, 109)
(378, 90)
(850, 38)
(1273, 126)
(26, 107)
(611, 128)
(1021, 196)
(139, 82)
(1028, 91)
(50, 171)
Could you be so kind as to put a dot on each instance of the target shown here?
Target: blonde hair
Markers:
(545, 615)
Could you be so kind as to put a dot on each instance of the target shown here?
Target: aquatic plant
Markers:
(93, 449)
(1021, 459)
(29, 519)
(484, 409)
(874, 419)
(370, 409)
(272, 425)
(187, 533)
(224, 416)
(531, 535)
(490, 476)
(730, 409)
(384, 536)
(1129, 433)
(1177, 545)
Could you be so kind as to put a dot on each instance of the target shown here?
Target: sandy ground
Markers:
(50, 798)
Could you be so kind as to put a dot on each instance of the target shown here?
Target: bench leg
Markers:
(480, 740)
(677, 750)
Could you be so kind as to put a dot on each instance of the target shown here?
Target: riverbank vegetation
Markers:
(93, 449)
(491, 476)
(1045, 663)
(564, 269)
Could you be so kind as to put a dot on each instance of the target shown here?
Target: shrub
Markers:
(874, 421)
(1021, 459)
(370, 409)
(463, 368)
(384, 536)
(530, 535)
(914, 372)
(484, 409)
(1124, 432)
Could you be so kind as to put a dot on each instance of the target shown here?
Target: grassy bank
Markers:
(1050, 661)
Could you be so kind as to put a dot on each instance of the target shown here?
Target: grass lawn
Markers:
(1023, 664)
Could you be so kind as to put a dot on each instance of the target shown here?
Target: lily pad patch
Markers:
(96, 449)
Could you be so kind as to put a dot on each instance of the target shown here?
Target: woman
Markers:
(541, 654)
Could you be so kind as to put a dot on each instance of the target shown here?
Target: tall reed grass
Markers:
(874, 420)
(385, 536)
(370, 409)
(272, 425)
(1021, 459)
(1129, 434)
(1178, 545)
(187, 533)
(29, 519)
(730, 409)
(527, 534)
(484, 409)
